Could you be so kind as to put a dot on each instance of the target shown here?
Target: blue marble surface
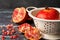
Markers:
(5, 18)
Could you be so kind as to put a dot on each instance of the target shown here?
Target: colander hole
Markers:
(49, 30)
(46, 31)
(50, 24)
(47, 25)
(37, 24)
(44, 25)
(45, 28)
(47, 22)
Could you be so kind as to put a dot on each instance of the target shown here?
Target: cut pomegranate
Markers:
(24, 27)
(33, 34)
(19, 15)
(30, 32)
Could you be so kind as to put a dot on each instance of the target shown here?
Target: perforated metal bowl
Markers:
(49, 27)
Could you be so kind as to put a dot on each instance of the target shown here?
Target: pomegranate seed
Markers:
(3, 30)
(14, 36)
(8, 32)
(3, 38)
(11, 37)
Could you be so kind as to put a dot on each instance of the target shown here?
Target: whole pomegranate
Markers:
(48, 13)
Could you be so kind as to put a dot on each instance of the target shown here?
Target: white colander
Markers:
(49, 28)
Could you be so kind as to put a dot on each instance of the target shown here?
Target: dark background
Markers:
(9, 4)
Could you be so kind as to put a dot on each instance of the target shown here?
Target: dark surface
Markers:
(7, 5)
(5, 19)
(10, 4)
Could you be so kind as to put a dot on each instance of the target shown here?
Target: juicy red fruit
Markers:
(48, 13)
(24, 27)
(19, 15)
(33, 34)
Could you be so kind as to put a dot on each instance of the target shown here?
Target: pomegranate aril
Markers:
(8, 32)
(9, 26)
(14, 36)
(3, 37)
(11, 37)
(12, 30)
(3, 30)
(5, 33)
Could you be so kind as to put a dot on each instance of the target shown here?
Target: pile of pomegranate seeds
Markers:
(9, 31)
